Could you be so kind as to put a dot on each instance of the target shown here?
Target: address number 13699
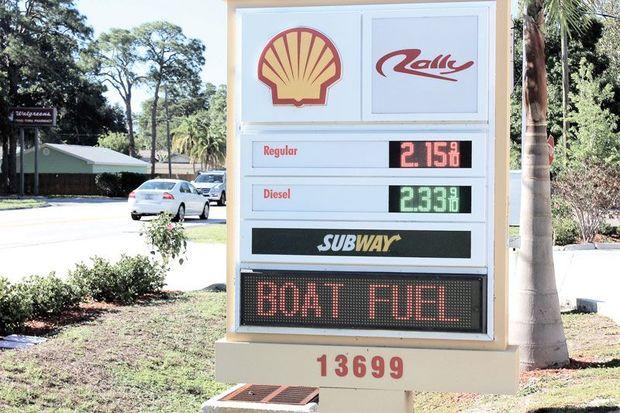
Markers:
(359, 366)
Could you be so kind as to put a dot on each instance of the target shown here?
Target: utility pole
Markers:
(36, 162)
(167, 130)
(21, 161)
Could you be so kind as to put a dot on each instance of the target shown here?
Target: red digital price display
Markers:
(362, 300)
(430, 154)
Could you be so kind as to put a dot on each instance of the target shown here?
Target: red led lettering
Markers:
(441, 152)
(267, 298)
(373, 299)
(420, 301)
(311, 301)
(395, 302)
(335, 297)
(406, 155)
(454, 155)
(295, 303)
(442, 306)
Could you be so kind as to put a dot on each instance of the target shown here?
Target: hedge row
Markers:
(39, 296)
(119, 184)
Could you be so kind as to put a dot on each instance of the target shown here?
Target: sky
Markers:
(202, 19)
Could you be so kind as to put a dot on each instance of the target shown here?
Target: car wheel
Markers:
(136, 217)
(222, 201)
(205, 211)
(180, 216)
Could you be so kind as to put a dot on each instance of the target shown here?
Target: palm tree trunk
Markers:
(168, 142)
(565, 91)
(154, 129)
(536, 325)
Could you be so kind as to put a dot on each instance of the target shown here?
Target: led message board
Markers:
(424, 302)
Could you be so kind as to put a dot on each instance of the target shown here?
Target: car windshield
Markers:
(161, 185)
(209, 178)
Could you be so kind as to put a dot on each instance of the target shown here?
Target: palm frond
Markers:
(571, 15)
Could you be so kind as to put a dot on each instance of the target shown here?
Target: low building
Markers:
(76, 159)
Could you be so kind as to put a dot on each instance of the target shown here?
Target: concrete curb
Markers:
(31, 207)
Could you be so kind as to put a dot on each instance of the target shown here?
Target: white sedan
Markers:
(177, 197)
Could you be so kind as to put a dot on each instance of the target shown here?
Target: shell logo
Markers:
(299, 65)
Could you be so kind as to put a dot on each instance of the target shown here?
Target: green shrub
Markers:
(565, 228)
(118, 184)
(122, 282)
(51, 295)
(15, 306)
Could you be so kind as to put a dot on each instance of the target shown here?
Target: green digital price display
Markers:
(428, 199)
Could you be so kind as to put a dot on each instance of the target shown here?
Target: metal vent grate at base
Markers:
(259, 393)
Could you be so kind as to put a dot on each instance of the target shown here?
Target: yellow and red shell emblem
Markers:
(299, 65)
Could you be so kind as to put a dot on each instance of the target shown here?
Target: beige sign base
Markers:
(439, 370)
(365, 401)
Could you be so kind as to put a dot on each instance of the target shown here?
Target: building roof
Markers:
(96, 154)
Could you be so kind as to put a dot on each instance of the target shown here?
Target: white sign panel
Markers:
(426, 64)
(301, 60)
(365, 154)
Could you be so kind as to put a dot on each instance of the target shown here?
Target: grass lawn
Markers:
(155, 357)
(208, 234)
(590, 384)
(15, 203)
(158, 357)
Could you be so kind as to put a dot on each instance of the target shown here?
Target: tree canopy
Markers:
(40, 41)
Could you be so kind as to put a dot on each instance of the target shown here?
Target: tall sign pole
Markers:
(36, 161)
(367, 217)
(21, 162)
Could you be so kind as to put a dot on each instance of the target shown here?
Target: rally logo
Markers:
(299, 65)
(358, 242)
(412, 63)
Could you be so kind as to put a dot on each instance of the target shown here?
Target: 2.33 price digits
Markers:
(430, 199)
(361, 366)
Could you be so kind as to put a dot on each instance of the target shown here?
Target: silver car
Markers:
(212, 184)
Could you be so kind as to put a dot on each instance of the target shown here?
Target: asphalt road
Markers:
(42, 240)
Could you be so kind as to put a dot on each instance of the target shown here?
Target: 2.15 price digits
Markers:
(360, 366)
(430, 154)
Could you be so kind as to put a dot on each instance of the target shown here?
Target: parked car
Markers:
(212, 184)
(175, 196)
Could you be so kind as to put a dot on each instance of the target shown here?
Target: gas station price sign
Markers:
(367, 171)
(363, 155)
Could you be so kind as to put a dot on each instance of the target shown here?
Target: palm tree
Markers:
(536, 325)
(200, 139)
